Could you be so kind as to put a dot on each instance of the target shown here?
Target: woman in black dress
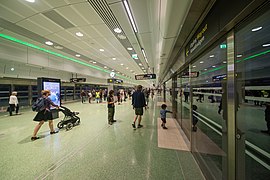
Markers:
(44, 115)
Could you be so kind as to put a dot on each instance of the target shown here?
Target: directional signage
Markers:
(115, 81)
(190, 74)
(145, 76)
(78, 80)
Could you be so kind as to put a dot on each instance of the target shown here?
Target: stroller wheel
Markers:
(78, 121)
(60, 125)
(69, 126)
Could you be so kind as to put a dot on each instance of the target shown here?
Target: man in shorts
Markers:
(138, 102)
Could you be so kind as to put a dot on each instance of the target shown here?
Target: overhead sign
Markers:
(78, 80)
(190, 74)
(219, 77)
(115, 81)
(145, 76)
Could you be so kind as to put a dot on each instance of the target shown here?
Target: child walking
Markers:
(163, 112)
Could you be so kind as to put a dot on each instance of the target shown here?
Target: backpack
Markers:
(39, 105)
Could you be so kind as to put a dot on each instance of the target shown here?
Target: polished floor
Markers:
(92, 150)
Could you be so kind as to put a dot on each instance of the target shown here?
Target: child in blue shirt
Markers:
(163, 112)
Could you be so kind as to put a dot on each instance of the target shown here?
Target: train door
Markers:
(252, 54)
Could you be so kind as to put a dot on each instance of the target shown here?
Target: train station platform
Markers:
(94, 149)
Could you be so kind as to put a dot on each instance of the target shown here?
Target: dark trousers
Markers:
(111, 114)
(12, 108)
(268, 126)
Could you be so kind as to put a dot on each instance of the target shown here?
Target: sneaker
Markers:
(54, 132)
(164, 127)
(34, 138)
(133, 125)
(140, 126)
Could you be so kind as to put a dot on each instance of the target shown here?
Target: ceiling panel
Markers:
(69, 13)
(87, 12)
(58, 39)
(54, 3)
(34, 27)
(9, 15)
(140, 13)
(120, 14)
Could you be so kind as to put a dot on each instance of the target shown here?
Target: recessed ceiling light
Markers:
(122, 64)
(117, 30)
(49, 43)
(213, 66)
(101, 50)
(205, 69)
(105, 67)
(239, 55)
(58, 47)
(142, 67)
(140, 64)
(12, 69)
(129, 48)
(201, 62)
(207, 81)
(121, 36)
(126, 67)
(78, 55)
(118, 72)
(194, 66)
(211, 56)
(224, 62)
(256, 29)
(112, 70)
(114, 58)
(79, 34)
(131, 70)
(31, 1)
(94, 62)
(266, 45)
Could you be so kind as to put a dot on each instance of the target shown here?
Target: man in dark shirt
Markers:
(138, 102)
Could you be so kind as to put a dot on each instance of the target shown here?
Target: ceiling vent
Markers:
(103, 10)
(58, 19)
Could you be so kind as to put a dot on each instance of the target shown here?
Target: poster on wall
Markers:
(55, 89)
(54, 85)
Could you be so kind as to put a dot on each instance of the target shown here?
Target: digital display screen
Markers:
(55, 89)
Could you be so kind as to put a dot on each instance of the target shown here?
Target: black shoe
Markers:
(54, 132)
(139, 126)
(265, 131)
(113, 120)
(110, 123)
(34, 138)
(161, 125)
(133, 125)
(164, 127)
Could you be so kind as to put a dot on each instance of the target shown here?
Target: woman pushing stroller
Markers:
(44, 115)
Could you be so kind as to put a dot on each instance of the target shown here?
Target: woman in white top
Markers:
(13, 103)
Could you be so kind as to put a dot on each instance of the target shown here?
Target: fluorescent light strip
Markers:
(130, 16)
(56, 54)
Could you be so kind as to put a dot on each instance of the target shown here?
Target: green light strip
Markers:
(245, 59)
(57, 54)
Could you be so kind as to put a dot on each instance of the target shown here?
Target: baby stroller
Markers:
(71, 119)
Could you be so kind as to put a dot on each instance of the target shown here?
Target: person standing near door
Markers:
(13, 103)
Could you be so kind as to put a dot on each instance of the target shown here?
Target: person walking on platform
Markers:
(267, 119)
(89, 96)
(13, 103)
(138, 103)
(163, 112)
(97, 96)
(44, 115)
(83, 95)
(111, 107)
